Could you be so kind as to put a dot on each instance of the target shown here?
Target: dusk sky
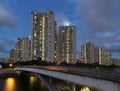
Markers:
(96, 20)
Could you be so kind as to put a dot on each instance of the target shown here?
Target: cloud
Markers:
(99, 14)
(7, 18)
(6, 43)
(62, 19)
(65, 19)
(9, 42)
(2, 49)
(114, 47)
(101, 22)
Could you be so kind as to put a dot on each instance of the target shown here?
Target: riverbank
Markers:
(7, 72)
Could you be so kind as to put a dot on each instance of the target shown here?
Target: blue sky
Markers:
(96, 20)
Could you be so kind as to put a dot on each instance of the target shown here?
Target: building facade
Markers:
(12, 56)
(116, 61)
(88, 53)
(66, 44)
(4, 59)
(23, 49)
(104, 57)
(43, 36)
(91, 54)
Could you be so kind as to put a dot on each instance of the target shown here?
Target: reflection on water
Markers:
(25, 83)
(10, 84)
(36, 85)
(32, 83)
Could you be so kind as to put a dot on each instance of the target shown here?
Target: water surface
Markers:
(30, 83)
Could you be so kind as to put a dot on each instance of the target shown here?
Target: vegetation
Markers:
(40, 62)
(95, 65)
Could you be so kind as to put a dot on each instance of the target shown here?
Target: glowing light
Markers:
(85, 89)
(32, 82)
(10, 65)
(10, 84)
(33, 79)
(66, 23)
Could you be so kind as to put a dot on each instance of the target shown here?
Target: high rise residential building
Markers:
(104, 57)
(94, 54)
(88, 53)
(116, 61)
(23, 49)
(43, 36)
(4, 59)
(66, 44)
(12, 56)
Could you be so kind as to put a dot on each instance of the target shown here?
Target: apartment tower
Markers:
(12, 56)
(87, 53)
(23, 49)
(66, 44)
(43, 37)
(91, 54)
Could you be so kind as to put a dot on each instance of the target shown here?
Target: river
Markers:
(30, 83)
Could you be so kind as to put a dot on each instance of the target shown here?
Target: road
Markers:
(95, 73)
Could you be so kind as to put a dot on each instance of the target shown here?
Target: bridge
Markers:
(99, 80)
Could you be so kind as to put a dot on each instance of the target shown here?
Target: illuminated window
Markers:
(35, 17)
(35, 34)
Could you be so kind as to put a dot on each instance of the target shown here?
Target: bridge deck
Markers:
(95, 73)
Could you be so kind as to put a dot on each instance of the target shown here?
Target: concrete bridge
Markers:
(98, 81)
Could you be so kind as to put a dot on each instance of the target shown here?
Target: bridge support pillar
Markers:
(46, 83)
(73, 87)
(50, 80)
